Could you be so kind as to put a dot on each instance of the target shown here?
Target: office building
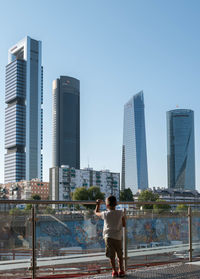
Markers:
(64, 180)
(134, 154)
(180, 149)
(23, 114)
(66, 122)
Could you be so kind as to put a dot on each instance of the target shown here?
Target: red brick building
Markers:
(23, 190)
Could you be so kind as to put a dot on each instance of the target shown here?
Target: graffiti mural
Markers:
(87, 233)
(160, 230)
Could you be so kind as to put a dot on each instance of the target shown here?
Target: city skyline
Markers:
(134, 155)
(113, 59)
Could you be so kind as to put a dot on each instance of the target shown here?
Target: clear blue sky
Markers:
(116, 48)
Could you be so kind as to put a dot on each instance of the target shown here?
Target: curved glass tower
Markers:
(180, 149)
(66, 122)
(23, 114)
(134, 155)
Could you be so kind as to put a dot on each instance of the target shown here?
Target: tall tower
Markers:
(23, 114)
(134, 155)
(180, 149)
(66, 122)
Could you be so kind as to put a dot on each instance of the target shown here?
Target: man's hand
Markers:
(97, 212)
(98, 202)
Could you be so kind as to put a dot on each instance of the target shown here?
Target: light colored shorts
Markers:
(113, 247)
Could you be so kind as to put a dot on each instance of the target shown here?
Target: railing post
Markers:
(190, 232)
(125, 242)
(33, 263)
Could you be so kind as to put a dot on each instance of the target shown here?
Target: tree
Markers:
(146, 196)
(126, 195)
(80, 194)
(181, 208)
(160, 208)
(33, 197)
(15, 211)
(91, 194)
(94, 193)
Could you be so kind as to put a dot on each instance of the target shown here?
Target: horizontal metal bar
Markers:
(93, 202)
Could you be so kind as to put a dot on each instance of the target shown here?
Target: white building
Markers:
(174, 195)
(64, 180)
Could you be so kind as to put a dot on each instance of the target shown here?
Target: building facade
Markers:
(175, 195)
(64, 180)
(24, 190)
(23, 114)
(180, 149)
(66, 122)
(134, 155)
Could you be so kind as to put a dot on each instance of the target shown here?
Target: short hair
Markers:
(112, 201)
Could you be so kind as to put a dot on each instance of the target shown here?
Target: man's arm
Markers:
(97, 211)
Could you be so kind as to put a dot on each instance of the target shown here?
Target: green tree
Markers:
(91, 194)
(36, 197)
(94, 193)
(126, 195)
(182, 208)
(80, 194)
(15, 211)
(33, 197)
(160, 208)
(146, 196)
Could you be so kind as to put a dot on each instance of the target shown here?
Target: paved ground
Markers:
(171, 271)
(167, 271)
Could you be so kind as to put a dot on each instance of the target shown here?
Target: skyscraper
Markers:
(134, 155)
(66, 122)
(180, 149)
(23, 114)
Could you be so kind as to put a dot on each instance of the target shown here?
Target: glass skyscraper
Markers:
(66, 122)
(180, 149)
(23, 114)
(134, 155)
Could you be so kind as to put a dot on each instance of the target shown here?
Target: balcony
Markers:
(67, 242)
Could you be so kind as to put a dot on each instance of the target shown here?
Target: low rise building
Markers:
(175, 195)
(24, 190)
(64, 180)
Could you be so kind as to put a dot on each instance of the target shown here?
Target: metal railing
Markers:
(137, 205)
